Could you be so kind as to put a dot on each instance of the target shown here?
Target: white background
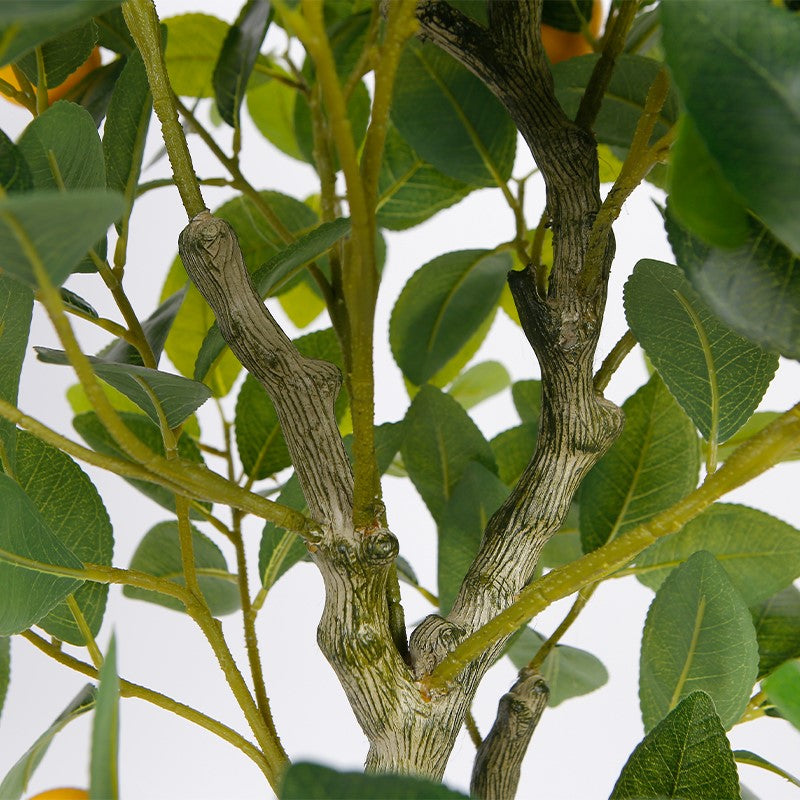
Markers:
(579, 747)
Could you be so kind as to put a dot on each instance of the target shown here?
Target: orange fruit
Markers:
(561, 45)
(57, 92)
(63, 794)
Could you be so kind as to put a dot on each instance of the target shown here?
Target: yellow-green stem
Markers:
(142, 21)
(613, 360)
(753, 457)
(86, 632)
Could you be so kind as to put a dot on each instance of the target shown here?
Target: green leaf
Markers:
(26, 546)
(653, 464)
(35, 23)
(754, 425)
(104, 766)
(409, 189)
(67, 133)
(281, 549)
(777, 624)
(262, 448)
(159, 554)
(155, 328)
(513, 450)
(126, 128)
(16, 306)
(624, 100)
(440, 441)
(747, 51)
(717, 376)
(441, 306)
(451, 119)
(686, 756)
(755, 760)
(270, 279)
(77, 303)
(700, 196)
(306, 781)
(259, 242)
(5, 668)
(301, 304)
(71, 507)
(568, 671)
(57, 228)
(61, 55)
(113, 33)
(479, 383)
(783, 691)
(16, 781)
(759, 553)
(476, 496)
(271, 105)
(194, 42)
(99, 439)
(527, 396)
(15, 174)
(698, 635)
(754, 288)
(179, 397)
(95, 90)
(237, 57)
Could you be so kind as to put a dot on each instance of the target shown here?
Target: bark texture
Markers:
(407, 732)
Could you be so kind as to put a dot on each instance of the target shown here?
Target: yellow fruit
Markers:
(62, 794)
(561, 45)
(57, 92)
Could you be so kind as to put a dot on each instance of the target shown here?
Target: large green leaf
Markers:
(71, 507)
(194, 42)
(698, 635)
(5, 668)
(624, 99)
(306, 781)
(476, 496)
(55, 228)
(654, 463)
(272, 277)
(262, 448)
(783, 691)
(15, 174)
(104, 765)
(513, 450)
(98, 438)
(777, 624)
(440, 441)
(26, 544)
(527, 396)
(61, 55)
(24, 25)
(700, 196)
(410, 190)
(759, 553)
(259, 242)
(178, 397)
(281, 549)
(451, 119)
(746, 51)
(126, 127)
(16, 780)
(754, 288)
(159, 554)
(271, 105)
(568, 671)
(441, 306)
(686, 756)
(478, 383)
(16, 306)
(237, 57)
(716, 375)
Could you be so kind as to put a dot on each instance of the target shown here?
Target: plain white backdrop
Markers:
(579, 747)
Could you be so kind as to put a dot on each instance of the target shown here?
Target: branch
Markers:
(495, 774)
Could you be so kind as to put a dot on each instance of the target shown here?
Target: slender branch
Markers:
(472, 729)
(142, 21)
(86, 632)
(750, 459)
(613, 360)
(584, 595)
(129, 689)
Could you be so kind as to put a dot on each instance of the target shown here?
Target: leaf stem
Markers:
(584, 595)
(613, 360)
(129, 689)
(86, 632)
